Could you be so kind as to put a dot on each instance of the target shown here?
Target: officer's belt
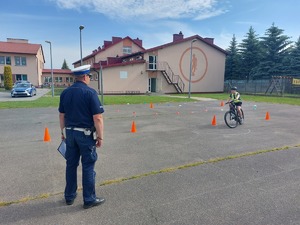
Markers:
(78, 129)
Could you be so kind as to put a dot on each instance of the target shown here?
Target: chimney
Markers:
(209, 40)
(17, 40)
(138, 41)
(177, 37)
(107, 43)
(116, 39)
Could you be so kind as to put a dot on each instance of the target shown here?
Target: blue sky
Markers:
(153, 21)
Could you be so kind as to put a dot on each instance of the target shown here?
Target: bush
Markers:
(8, 82)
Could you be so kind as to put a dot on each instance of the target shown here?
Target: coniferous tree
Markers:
(294, 59)
(275, 48)
(65, 65)
(250, 50)
(8, 82)
(232, 67)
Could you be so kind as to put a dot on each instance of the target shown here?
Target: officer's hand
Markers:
(63, 137)
(99, 142)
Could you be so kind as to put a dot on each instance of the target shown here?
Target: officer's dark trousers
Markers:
(78, 144)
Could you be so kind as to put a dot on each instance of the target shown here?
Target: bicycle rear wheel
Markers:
(230, 119)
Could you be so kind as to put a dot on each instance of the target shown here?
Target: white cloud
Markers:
(148, 10)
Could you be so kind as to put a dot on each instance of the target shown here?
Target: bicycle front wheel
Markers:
(230, 119)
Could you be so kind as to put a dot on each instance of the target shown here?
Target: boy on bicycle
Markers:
(235, 97)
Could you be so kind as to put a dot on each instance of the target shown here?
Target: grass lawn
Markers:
(255, 98)
(48, 101)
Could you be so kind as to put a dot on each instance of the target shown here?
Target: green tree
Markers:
(250, 50)
(294, 59)
(232, 66)
(8, 81)
(275, 49)
(65, 65)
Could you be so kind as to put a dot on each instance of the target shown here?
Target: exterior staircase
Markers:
(168, 74)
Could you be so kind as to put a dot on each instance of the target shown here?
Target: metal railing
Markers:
(168, 74)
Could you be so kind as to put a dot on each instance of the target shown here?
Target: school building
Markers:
(128, 68)
(26, 60)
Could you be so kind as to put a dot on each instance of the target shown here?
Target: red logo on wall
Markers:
(199, 64)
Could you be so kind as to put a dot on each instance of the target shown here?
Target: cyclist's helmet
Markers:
(234, 88)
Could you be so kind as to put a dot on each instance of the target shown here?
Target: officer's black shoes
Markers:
(97, 202)
(70, 202)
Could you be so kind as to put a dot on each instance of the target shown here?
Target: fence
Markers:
(281, 86)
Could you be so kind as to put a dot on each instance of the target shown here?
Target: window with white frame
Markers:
(127, 50)
(58, 79)
(20, 61)
(69, 79)
(5, 60)
(20, 77)
(47, 80)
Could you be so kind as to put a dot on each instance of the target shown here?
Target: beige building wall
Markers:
(30, 69)
(40, 65)
(115, 50)
(208, 66)
(33, 68)
(123, 79)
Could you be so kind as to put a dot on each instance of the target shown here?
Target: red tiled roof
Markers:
(97, 65)
(58, 71)
(184, 40)
(21, 48)
(105, 48)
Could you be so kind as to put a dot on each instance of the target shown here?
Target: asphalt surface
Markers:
(253, 189)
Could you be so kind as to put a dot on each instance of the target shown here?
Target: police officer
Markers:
(80, 115)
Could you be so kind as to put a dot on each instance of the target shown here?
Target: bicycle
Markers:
(231, 117)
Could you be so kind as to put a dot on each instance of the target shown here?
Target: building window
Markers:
(123, 75)
(20, 77)
(58, 79)
(2, 60)
(69, 79)
(127, 50)
(1, 80)
(5, 60)
(20, 61)
(47, 80)
(8, 60)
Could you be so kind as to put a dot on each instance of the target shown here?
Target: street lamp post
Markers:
(81, 27)
(191, 67)
(52, 83)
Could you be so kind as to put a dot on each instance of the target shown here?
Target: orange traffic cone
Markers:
(151, 106)
(222, 103)
(47, 135)
(267, 116)
(214, 121)
(133, 128)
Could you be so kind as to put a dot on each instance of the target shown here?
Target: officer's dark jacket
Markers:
(79, 103)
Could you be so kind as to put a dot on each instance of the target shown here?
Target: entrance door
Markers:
(152, 62)
(152, 85)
